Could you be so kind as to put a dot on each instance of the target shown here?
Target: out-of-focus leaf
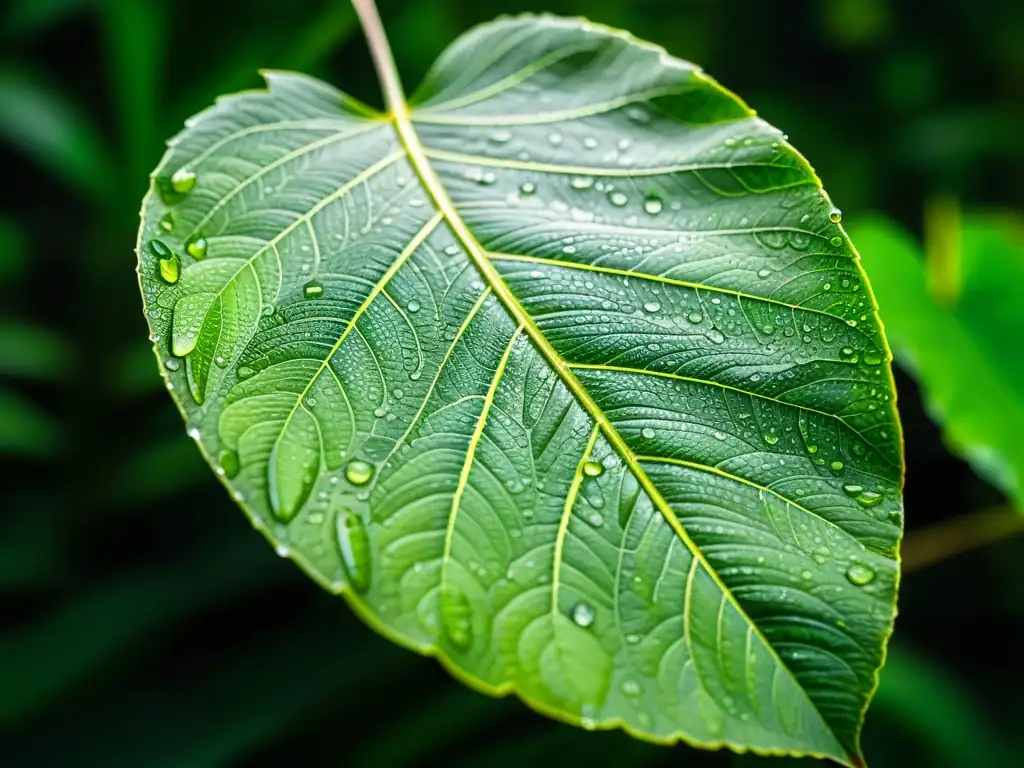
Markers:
(967, 356)
(13, 250)
(135, 41)
(32, 543)
(226, 712)
(32, 352)
(927, 701)
(164, 467)
(45, 125)
(483, 406)
(111, 617)
(25, 428)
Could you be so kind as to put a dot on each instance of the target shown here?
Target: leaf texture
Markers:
(571, 379)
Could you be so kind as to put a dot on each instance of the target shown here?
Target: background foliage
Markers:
(147, 624)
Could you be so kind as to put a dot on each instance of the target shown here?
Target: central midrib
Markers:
(414, 149)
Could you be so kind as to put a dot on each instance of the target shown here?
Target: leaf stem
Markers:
(961, 534)
(383, 60)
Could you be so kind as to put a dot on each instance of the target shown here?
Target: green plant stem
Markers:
(961, 534)
(383, 60)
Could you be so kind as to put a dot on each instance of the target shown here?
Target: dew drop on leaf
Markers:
(197, 248)
(354, 548)
(358, 472)
(455, 616)
(227, 460)
(312, 290)
(583, 614)
(835, 215)
(593, 469)
(183, 180)
(860, 574)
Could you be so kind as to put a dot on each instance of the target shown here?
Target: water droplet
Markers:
(197, 248)
(414, 306)
(648, 433)
(770, 438)
(555, 139)
(282, 550)
(455, 616)
(835, 215)
(528, 188)
(183, 180)
(245, 372)
(582, 182)
(193, 433)
(170, 269)
(593, 469)
(763, 272)
(501, 137)
(358, 472)
(695, 317)
(836, 465)
(631, 688)
(618, 199)
(851, 489)
(583, 614)
(872, 357)
(869, 498)
(354, 548)
(172, 364)
(653, 205)
(312, 290)
(848, 355)
(652, 306)
(167, 222)
(836, 241)
(227, 460)
(590, 142)
(860, 574)
(806, 574)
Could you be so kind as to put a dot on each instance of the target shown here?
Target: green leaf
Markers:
(958, 351)
(568, 377)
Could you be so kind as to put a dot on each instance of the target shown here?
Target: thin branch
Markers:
(961, 534)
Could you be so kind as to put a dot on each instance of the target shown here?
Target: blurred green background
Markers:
(143, 621)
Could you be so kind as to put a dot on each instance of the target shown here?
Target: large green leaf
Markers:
(568, 376)
(959, 350)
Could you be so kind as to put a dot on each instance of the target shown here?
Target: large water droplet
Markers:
(618, 199)
(354, 548)
(835, 215)
(582, 182)
(836, 241)
(648, 433)
(652, 306)
(528, 188)
(197, 248)
(631, 688)
(583, 614)
(312, 290)
(593, 469)
(183, 180)
(653, 205)
(869, 498)
(414, 306)
(358, 472)
(456, 616)
(170, 269)
(860, 574)
(227, 460)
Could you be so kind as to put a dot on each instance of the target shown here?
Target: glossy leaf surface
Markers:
(568, 376)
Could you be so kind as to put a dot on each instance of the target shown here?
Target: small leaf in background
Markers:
(965, 353)
(568, 377)
(47, 126)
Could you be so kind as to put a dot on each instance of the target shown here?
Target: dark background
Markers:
(144, 623)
